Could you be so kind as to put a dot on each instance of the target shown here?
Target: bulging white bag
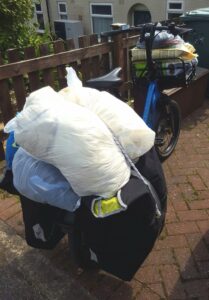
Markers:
(135, 136)
(73, 139)
(42, 182)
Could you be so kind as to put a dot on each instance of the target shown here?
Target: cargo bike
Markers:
(118, 240)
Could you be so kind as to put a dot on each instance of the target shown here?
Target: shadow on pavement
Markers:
(192, 272)
(97, 282)
(201, 115)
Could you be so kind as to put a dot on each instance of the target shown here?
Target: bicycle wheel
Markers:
(167, 129)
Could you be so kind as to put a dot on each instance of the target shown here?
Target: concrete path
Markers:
(26, 274)
(177, 268)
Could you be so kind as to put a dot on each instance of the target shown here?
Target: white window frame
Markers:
(61, 13)
(39, 12)
(175, 11)
(98, 15)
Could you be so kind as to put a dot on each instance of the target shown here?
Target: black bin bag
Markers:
(120, 243)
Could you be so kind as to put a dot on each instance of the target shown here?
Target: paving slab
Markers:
(26, 274)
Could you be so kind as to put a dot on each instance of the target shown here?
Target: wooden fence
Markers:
(29, 69)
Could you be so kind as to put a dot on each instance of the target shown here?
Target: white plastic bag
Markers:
(42, 182)
(72, 78)
(135, 136)
(73, 139)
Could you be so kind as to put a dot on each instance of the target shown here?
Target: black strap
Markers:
(136, 172)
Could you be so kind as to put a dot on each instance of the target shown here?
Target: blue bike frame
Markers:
(150, 114)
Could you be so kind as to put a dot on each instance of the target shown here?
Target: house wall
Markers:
(77, 10)
(157, 9)
(194, 4)
(80, 9)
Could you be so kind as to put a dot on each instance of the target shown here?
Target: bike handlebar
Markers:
(171, 27)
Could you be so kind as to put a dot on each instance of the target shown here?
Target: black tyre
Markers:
(167, 129)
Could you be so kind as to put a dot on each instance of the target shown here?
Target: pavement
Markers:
(178, 266)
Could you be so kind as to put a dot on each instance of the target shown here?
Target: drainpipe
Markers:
(48, 14)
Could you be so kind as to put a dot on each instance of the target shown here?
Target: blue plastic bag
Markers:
(11, 148)
(42, 182)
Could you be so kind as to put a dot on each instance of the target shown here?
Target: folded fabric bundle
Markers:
(184, 51)
(74, 140)
(132, 132)
(42, 182)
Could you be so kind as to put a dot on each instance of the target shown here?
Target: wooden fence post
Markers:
(118, 53)
(105, 59)
(48, 74)
(6, 109)
(18, 81)
(34, 79)
(120, 59)
(71, 46)
(84, 42)
(5, 99)
(59, 46)
(95, 61)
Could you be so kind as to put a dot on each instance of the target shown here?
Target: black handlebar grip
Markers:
(172, 28)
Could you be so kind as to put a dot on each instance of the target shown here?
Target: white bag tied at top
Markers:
(73, 139)
(134, 135)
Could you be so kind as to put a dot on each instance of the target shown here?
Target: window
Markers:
(62, 10)
(174, 8)
(39, 17)
(101, 17)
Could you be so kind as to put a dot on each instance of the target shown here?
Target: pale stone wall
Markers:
(80, 9)
(157, 9)
(77, 10)
(194, 4)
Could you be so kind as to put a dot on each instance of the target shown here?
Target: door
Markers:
(141, 17)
